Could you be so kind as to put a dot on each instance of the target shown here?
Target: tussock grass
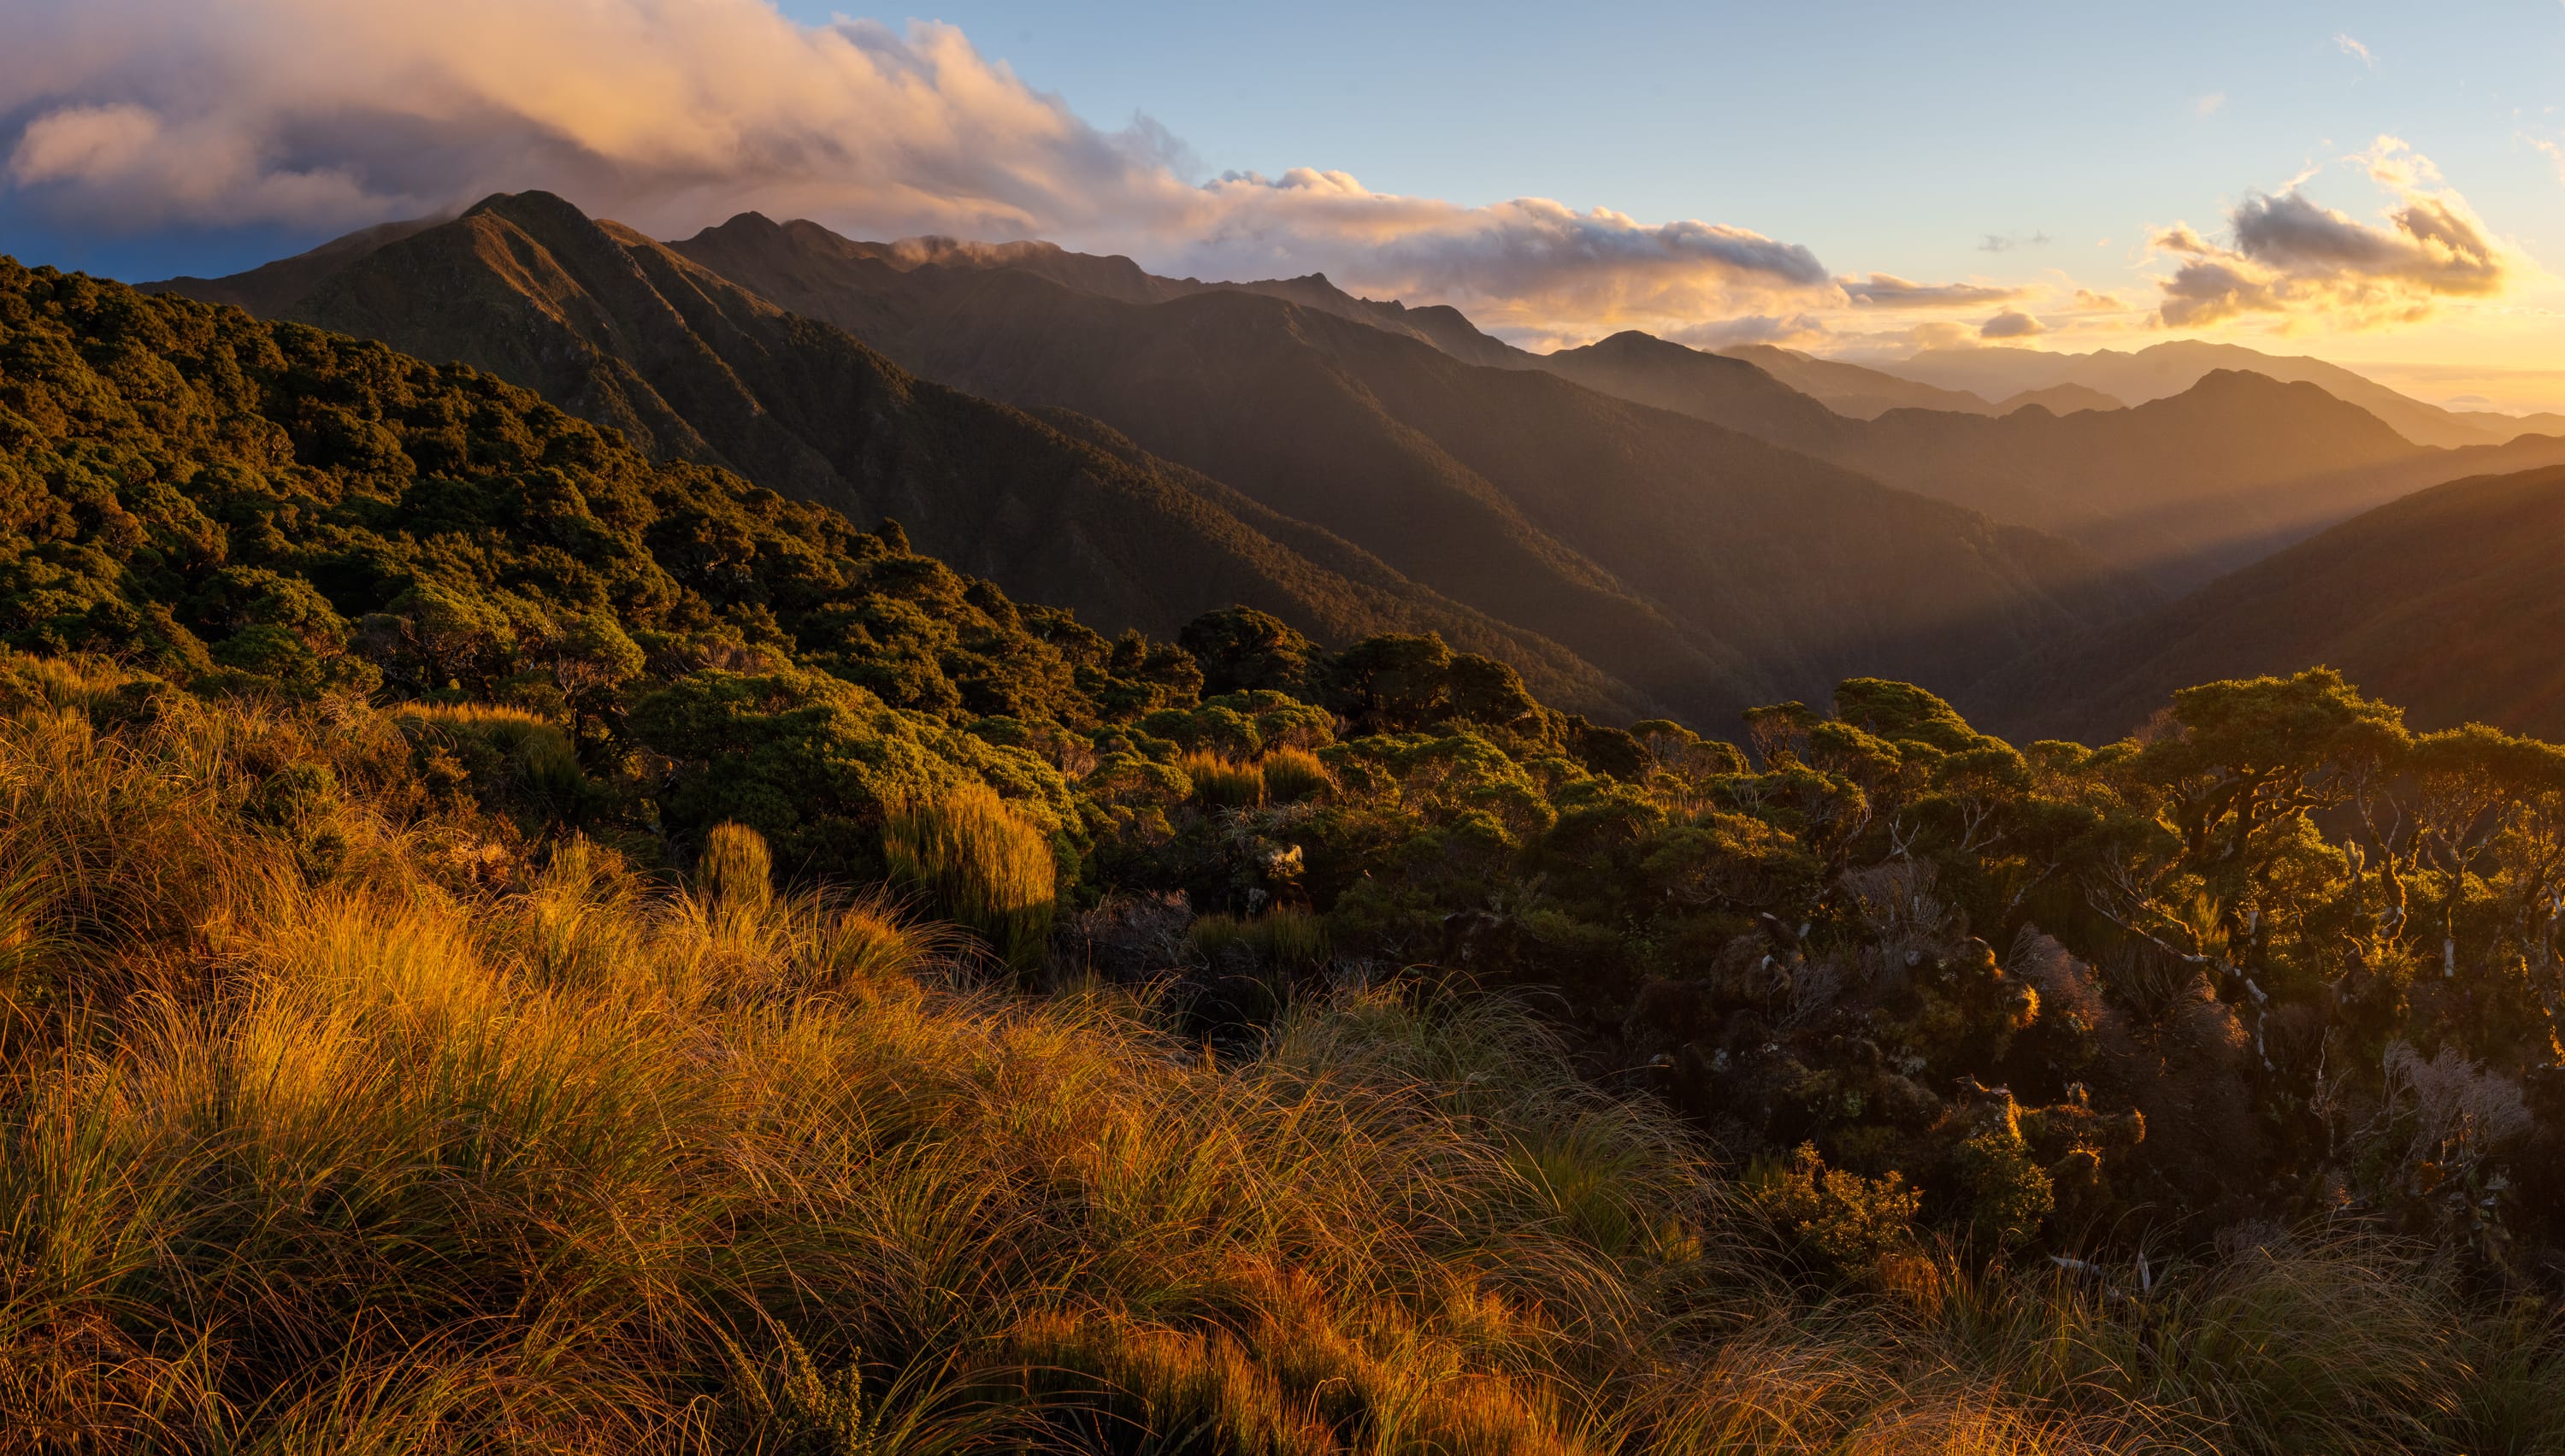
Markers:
(736, 867)
(531, 752)
(1295, 775)
(360, 1155)
(1221, 783)
(980, 862)
(1287, 937)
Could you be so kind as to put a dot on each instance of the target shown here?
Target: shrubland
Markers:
(527, 946)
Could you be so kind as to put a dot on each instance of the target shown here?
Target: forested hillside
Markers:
(547, 946)
(2448, 601)
(1682, 566)
(621, 332)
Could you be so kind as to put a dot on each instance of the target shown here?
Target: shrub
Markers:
(976, 860)
(510, 754)
(1859, 1228)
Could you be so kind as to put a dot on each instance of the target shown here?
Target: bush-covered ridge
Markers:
(1954, 1017)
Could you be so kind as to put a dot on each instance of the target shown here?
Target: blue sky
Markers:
(1858, 137)
(1881, 134)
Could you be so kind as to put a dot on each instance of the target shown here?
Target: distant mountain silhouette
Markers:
(1698, 563)
(2448, 601)
(2180, 493)
(1866, 393)
(2180, 488)
(621, 329)
(2057, 400)
(2172, 367)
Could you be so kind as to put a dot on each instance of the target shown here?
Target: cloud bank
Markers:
(669, 115)
(673, 113)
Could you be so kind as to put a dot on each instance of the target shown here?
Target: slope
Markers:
(619, 330)
(1694, 562)
(2446, 601)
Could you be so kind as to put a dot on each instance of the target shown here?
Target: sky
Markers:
(2380, 184)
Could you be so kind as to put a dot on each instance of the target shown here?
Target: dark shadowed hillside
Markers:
(2448, 601)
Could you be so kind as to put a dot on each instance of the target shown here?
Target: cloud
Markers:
(2294, 256)
(669, 115)
(2086, 299)
(1887, 290)
(2355, 50)
(2210, 104)
(2554, 153)
(2010, 324)
(2006, 242)
(1515, 263)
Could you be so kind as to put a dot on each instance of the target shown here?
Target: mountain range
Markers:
(2172, 367)
(1278, 444)
(1637, 526)
(1866, 393)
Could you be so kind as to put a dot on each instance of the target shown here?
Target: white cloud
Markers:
(2355, 50)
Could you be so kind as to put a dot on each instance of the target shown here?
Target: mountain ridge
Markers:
(616, 328)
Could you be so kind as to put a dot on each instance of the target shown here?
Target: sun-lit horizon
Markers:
(2358, 185)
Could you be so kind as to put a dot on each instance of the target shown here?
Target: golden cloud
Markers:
(2294, 256)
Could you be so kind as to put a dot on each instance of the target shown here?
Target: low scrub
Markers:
(405, 1151)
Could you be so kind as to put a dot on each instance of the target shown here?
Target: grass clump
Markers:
(1290, 938)
(1221, 782)
(735, 869)
(1295, 775)
(978, 862)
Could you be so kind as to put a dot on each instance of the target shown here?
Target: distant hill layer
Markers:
(1866, 394)
(2181, 488)
(1335, 460)
(2172, 367)
(2449, 602)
